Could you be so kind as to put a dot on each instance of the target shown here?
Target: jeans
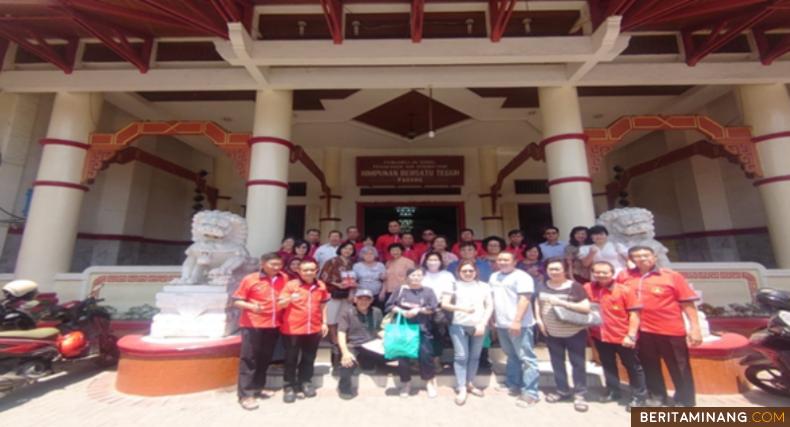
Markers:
(652, 348)
(521, 370)
(575, 346)
(466, 349)
(257, 347)
(608, 353)
(425, 359)
(300, 352)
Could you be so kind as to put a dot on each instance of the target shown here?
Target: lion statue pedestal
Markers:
(198, 304)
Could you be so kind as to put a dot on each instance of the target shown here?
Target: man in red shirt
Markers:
(665, 296)
(385, 240)
(303, 325)
(467, 235)
(409, 250)
(259, 323)
(426, 244)
(619, 310)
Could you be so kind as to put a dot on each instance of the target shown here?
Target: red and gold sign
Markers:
(406, 171)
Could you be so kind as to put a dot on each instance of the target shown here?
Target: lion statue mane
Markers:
(634, 227)
(219, 249)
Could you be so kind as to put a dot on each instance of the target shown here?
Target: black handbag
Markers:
(442, 317)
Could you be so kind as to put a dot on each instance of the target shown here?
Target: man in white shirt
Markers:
(328, 250)
(553, 247)
(512, 289)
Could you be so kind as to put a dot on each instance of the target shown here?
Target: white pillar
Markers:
(569, 183)
(51, 225)
(492, 215)
(267, 184)
(330, 219)
(766, 108)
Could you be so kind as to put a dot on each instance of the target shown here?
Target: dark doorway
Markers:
(294, 221)
(443, 218)
(533, 218)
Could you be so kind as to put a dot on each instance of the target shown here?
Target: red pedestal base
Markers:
(156, 368)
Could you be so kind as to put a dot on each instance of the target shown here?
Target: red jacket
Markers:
(261, 289)
(304, 313)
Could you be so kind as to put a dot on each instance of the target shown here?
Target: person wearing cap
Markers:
(357, 325)
(665, 296)
(259, 324)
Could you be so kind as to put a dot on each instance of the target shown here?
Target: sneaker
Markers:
(460, 397)
(634, 403)
(248, 403)
(474, 391)
(610, 397)
(525, 401)
(289, 395)
(430, 388)
(405, 390)
(308, 390)
(346, 396)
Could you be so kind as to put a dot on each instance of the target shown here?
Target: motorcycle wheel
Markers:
(768, 378)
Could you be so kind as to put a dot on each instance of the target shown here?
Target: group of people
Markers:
(466, 294)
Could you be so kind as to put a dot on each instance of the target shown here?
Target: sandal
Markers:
(556, 397)
(580, 405)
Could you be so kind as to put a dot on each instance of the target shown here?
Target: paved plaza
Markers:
(86, 397)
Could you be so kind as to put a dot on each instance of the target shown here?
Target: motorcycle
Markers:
(768, 368)
(82, 332)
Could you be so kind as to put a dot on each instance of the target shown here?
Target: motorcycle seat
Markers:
(35, 334)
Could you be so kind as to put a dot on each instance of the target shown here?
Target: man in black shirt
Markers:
(356, 326)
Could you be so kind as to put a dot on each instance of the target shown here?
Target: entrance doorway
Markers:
(533, 218)
(443, 218)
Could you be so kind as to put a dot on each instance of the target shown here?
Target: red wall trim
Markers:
(270, 140)
(714, 233)
(119, 237)
(562, 137)
(60, 184)
(491, 218)
(66, 142)
(769, 136)
(269, 182)
(569, 179)
(331, 197)
(329, 219)
(771, 180)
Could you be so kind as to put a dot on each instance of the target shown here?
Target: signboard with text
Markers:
(403, 171)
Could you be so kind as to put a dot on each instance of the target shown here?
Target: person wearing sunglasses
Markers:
(471, 304)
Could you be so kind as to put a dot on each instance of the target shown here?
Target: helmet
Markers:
(21, 288)
(71, 344)
(774, 299)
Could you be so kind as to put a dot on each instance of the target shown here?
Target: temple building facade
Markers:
(119, 120)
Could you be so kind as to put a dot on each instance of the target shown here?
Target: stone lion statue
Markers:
(219, 249)
(634, 227)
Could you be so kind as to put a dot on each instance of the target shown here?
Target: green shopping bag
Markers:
(401, 339)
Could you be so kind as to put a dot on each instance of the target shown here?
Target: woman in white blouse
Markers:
(604, 250)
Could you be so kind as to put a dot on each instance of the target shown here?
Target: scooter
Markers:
(30, 355)
(768, 368)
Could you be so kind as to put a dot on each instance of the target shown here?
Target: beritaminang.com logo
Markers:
(719, 416)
